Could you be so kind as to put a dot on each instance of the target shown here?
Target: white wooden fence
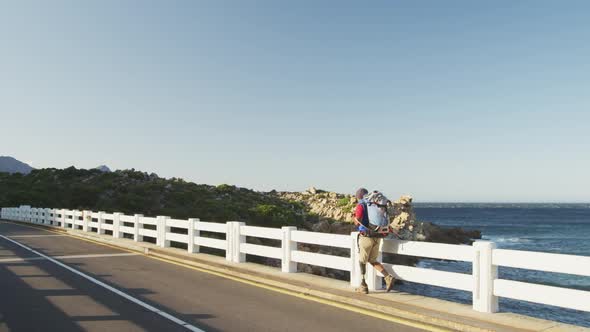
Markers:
(483, 282)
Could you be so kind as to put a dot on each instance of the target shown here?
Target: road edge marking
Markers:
(110, 288)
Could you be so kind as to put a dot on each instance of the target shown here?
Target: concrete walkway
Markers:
(401, 311)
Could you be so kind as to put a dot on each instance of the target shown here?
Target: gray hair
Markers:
(361, 192)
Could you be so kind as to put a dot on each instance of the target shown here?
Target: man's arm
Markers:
(356, 221)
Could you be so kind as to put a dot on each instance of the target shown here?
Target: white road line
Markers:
(112, 289)
(12, 260)
(36, 235)
(123, 254)
(5, 260)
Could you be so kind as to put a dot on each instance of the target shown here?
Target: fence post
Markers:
(288, 246)
(229, 241)
(136, 236)
(355, 273)
(86, 217)
(192, 222)
(63, 218)
(238, 239)
(116, 225)
(161, 231)
(100, 220)
(484, 274)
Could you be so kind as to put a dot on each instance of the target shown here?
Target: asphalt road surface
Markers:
(51, 282)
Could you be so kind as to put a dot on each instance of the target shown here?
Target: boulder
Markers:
(322, 227)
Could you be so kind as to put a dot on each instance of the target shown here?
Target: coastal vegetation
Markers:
(131, 191)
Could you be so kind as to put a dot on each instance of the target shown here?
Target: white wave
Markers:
(503, 239)
(424, 264)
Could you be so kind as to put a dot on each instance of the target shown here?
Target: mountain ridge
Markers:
(12, 165)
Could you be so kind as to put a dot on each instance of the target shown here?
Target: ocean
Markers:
(555, 228)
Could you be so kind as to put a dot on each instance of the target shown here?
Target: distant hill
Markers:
(11, 165)
(103, 168)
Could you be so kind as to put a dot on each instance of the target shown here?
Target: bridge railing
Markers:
(231, 237)
(547, 262)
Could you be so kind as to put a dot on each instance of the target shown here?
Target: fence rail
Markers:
(231, 237)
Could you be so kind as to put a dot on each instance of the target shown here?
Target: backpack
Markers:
(377, 220)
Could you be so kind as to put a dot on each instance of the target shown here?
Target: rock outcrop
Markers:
(329, 206)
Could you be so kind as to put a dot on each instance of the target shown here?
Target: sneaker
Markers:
(363, 288)
(389, 281)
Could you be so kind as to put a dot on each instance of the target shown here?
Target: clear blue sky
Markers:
(447, 101)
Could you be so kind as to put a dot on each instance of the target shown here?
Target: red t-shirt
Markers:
(359, 212)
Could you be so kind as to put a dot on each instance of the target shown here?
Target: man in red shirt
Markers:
(368, 243)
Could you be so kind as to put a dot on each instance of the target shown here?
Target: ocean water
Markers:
(555, 228)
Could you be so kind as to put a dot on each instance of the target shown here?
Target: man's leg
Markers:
(364, 251)
(374, 254)
(379, 267)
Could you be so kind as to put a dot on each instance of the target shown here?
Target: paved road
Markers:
(64, 291)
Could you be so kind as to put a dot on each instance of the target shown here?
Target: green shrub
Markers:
(343, 202)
